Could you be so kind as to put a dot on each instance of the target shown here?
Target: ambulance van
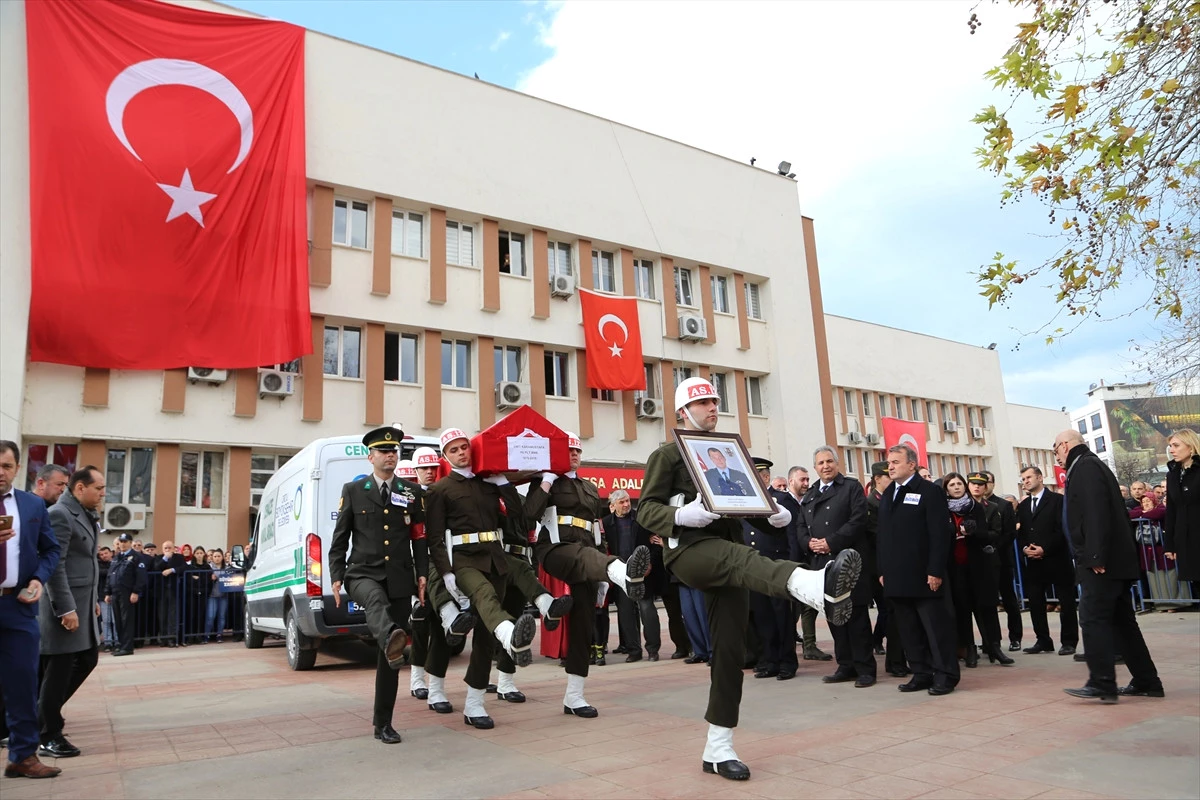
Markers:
(288, 590)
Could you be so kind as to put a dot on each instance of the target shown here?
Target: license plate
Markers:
(355, 608)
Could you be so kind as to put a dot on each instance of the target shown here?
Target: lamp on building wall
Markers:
(992, 346)
(784, 167)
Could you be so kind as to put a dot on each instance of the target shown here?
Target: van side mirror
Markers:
(238, 556)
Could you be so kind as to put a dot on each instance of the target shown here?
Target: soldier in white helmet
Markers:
(706, 552)
(570, 546)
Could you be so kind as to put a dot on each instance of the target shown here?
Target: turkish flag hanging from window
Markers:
(613, 341)
(167, 187)
(913, 434)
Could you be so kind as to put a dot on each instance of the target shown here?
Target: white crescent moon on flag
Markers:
(613, 318)
(174, 72)
(908, 439)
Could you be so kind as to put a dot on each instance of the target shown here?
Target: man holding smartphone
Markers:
(29, 554)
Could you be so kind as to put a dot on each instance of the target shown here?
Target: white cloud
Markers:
(500, 39)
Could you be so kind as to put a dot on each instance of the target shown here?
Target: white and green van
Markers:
(287, 586)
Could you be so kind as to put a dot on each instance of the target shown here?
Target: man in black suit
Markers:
(833, 518)
(914, 549)
(1106, 564)
(723, 480)
(1007, 556)
(1047, 564)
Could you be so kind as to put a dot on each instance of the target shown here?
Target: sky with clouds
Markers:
(870, 101)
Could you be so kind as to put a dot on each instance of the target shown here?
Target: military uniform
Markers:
(126, 578)
(773, 617)
(382, 527)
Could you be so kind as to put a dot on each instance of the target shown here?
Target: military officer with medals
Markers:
(706, 552)
(466, 514)
(570, 546)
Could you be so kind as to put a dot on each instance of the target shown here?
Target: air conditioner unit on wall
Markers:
(872, 438)
(854, 437)
(510, 394)
(950, 426)
(125, 517)
(977, 433)
(648, 407)
(274, 383)
(562, 285)
(207, 374)
(693, 326)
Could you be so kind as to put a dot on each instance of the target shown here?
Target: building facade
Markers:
(451, 226)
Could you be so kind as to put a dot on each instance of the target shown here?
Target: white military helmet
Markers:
(426, 457)
(573, 442)
(450, 434)
(694, 389)
(406, 470)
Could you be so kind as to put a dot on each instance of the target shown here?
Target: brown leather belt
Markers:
(7, 590)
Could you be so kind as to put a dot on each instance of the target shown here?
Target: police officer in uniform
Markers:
(570, 546)
(126, 585)
(773, 616)
(381, 523)
(467, 511)
(706, 552)
(1007, 554)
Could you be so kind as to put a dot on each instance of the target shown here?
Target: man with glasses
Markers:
(1106, 564)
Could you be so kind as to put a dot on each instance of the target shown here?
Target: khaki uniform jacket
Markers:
(573, 497)
(464, 505)
(386, 541)
(666, 476)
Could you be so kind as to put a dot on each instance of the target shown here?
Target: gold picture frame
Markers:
(724, 474)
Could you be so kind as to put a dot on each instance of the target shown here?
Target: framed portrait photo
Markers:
(723, 471)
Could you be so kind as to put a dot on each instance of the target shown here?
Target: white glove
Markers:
(452, 587)
(498, 480)
(782, 519)
(549, 477)
(694, 515)
(600, 593)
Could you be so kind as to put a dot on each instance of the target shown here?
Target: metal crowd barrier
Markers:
(175, 608)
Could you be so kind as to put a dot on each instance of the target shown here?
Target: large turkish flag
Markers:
(913, 434)
(167, 187)
(613, 339)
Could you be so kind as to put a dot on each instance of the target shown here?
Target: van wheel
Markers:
(300, 656)
(252, 639)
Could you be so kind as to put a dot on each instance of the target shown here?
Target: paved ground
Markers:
(225, 722)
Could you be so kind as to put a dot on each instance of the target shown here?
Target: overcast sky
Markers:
(871, 103)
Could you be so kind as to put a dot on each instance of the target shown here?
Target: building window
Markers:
(558, 374)
(350, 223)
(848, 459)
(1095, 422)
(1101, 445)
(292, 366)
(720, 293)
(848, 401)
(605, 395)
(343, 347)
(945, 412)
(560, 258)
(753, 303)
(643, 278)
(985, 419)
(201, 479)
(972, 463)
(900, 406)
(930, 412)
(127, 475)
(460, 244)
(651, 380)
(866, 401)
(39, 455)
(681, 374)
(400, 357)
(262, 467)
(754, 396)
(960, 465)
(683, 286)
(512, 253)
(408, 233)
(456, 363)
(916, 410)
(506, 362)
(883, 405)
(1082, 425)
(958, 414)
(604, 273)
(720, 381)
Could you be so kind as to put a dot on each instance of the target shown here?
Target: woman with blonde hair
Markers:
(1181, 535)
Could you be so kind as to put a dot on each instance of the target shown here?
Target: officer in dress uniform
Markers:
(382, 525)
(571, 547)
(469, 556)
(706, 552)
(126, 585)
(773, 616)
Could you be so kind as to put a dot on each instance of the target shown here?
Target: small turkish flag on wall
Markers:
(913, 434)
(167, 187)
(614, 341)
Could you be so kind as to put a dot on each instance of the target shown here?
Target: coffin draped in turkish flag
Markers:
(616, 362)
(167, 187)
(523, 441)
(902, 431)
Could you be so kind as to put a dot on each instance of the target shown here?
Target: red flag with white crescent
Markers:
(613, 341)
(167, 187)
(903, 431)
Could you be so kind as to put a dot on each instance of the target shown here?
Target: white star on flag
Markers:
(185, 199)
(615, 350)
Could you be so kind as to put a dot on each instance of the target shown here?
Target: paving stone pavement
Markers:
(221, 721)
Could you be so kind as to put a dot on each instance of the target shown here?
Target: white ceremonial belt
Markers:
(474, 538)
(585, 524)
(516, 549)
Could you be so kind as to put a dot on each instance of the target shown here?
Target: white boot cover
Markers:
(416, 679)
(719, 746)
(504, 683)
(437, 690)
(474, 706)
(574, 694)
(808, 586)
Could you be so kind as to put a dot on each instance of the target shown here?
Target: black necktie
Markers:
(383, 492)
(1033, 506)
(824, 486)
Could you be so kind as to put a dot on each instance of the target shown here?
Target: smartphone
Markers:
(6, 523)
